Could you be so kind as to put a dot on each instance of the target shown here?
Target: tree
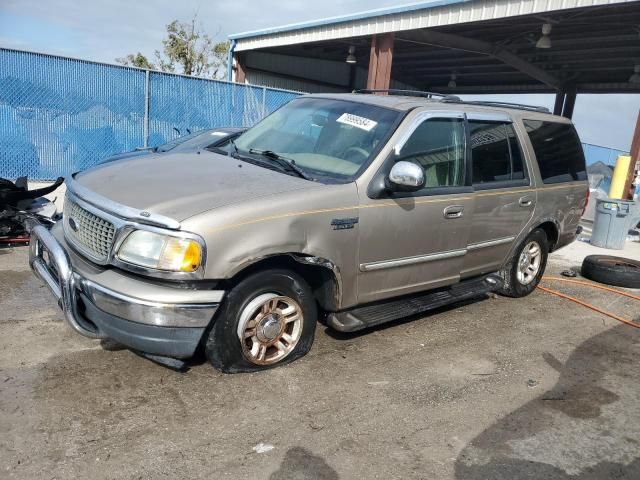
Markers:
(187, 50)
(136, 60)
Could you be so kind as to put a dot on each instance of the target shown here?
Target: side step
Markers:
(382, 312)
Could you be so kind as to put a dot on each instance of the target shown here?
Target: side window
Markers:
(438, 146)
(495, 152)
(558, 151)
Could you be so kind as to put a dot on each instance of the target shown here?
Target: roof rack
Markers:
(410, 93)
(455, 99)
(517, 106)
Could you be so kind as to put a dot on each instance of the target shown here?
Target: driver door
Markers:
(413, 241)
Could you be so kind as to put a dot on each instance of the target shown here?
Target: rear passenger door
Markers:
(504, 199)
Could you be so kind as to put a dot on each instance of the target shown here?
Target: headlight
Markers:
(161, 252)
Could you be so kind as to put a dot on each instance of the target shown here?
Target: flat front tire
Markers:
(268, 319)
(525, 269)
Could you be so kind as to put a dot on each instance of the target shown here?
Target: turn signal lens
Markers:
(180, 255)
(161, 252)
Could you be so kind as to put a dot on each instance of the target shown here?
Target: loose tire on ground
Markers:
(266, 320)
(618, 271)
(519, 279)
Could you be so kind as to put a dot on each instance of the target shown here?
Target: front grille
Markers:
(88, 232)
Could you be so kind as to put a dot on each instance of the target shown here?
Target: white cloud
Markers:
(110, 29)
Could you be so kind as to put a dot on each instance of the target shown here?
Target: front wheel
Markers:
(525, 269)
(268, 319)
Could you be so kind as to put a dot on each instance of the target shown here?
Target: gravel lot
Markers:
(494, 389)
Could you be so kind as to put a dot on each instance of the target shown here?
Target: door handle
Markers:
(525, 201)
(453, 211)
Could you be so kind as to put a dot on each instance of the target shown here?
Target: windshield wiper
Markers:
(287, 163)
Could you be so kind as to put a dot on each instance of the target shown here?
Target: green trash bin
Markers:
(612, 222)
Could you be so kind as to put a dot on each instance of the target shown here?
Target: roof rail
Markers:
(455, 99)
(410, 93)
(517, 106)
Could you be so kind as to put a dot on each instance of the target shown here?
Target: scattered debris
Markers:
(569, 273)
(375, 384)
(263, 447)
(532, 383)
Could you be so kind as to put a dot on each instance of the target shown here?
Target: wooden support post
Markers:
(241, 69)
(569, 103)
(380, 62)
(557, 106)
(635, 158)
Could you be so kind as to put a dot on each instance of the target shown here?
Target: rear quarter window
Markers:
(558, 151)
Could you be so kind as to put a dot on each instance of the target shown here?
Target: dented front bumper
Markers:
(100, 303)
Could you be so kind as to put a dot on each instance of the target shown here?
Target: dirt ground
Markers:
(536, 388)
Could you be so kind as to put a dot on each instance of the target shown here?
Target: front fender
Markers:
(306, 225)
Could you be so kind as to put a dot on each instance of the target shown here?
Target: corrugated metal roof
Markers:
(377, 12)
(408, 17)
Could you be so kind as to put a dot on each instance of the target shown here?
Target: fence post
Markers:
(264, 102)
(145, 132)
(232, 115)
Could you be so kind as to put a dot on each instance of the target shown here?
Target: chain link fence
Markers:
(59, 115)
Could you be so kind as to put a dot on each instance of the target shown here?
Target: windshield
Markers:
(324, 137)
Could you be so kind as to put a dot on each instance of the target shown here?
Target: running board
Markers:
(383, 312)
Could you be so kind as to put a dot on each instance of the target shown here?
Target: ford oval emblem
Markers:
(145, 214)
(73, 225)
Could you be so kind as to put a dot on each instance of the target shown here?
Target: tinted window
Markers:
(558, 150)
(496, 154)
(438, 146)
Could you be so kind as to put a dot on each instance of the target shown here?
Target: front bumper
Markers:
(159, 320)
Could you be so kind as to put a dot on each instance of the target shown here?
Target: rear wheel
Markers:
(267, 320)
(523, 273)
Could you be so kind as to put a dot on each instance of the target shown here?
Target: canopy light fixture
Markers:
(545, 40)
(452, 83)
(351, 58)
(635, 76)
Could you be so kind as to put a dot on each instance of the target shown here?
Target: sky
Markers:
(103, 30)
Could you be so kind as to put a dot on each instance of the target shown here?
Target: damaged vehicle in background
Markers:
(353, 209)
(192, 142)
(17, 203)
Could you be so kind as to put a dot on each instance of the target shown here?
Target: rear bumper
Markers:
(142, 320)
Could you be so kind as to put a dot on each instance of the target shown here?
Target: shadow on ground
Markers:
(541, 440)
(299, 463)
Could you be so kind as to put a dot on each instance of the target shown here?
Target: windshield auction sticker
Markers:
(356, 121)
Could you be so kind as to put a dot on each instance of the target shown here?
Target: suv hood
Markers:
(180, 186)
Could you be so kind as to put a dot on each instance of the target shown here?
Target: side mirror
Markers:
(406, 177)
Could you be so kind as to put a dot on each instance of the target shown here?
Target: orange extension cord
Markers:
(588, 305)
